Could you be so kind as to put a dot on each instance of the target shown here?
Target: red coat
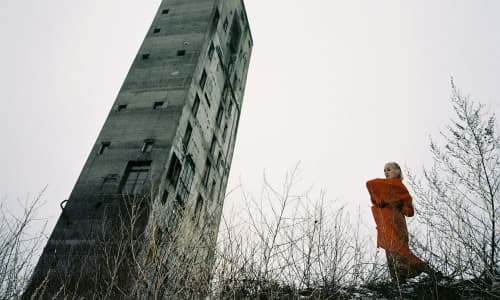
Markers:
(391, 203)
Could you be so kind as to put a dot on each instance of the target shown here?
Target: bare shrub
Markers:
(21, 238)
(133, 252)
(286, 243)
(459, 198)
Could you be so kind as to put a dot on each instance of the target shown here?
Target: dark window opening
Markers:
(198, 207)
(206, 174)
(181, 52)
(145, 56)
(203, 79)
(186, 179)
(211, 50)
(103, 148)
(222, 166)
(122, 107)
(136, 176)
(156, 30)
(108, 179)
(112, 177)
(224, 133)
(216, 18)
(212, 189)
(230, 109)
(174, 169)
(147, 146)
(225, 24)
(212, 145)
(187, 135)
(196, 105)
(158, 104)
(218, 118)
(164, 197)
(242, 15)
(235, 36)
(207, 99)
(165, 11)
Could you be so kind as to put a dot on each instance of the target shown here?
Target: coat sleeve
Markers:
(391, 193)
(375, 189)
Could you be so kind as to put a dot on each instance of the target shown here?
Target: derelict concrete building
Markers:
(167, 144)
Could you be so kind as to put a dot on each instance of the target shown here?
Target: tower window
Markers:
(181, 52)
(147, 146)
(103, 148)
(242, 16)
(158, 105)
(212, 189)
(211, 50)
(206, 175)
(218, 118)
(196, 105)
(108, 179)
(216, 18)
(136, 176)
(174, 169)
(145, 56)
(164, 197)
(235, 36)
(230, 109)
(212, 145)
(187, 135)
(186, 179)
(207, 99)
(221, 166)
(224, 133)
(122, 107)
(203, 79)
(165, 11)
(198, 207)
(156, 30)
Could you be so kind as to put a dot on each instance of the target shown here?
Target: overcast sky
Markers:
(341, 86)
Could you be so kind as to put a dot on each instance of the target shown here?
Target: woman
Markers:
(391, 203)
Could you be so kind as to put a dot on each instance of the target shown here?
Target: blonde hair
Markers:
(396, 165)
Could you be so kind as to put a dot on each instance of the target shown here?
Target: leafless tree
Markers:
(21, 238)
(458, 198)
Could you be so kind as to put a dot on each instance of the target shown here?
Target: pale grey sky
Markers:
(341, 86)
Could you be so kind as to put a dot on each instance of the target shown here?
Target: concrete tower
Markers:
(152, 189)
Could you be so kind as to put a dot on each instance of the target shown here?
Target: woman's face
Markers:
(390, 171)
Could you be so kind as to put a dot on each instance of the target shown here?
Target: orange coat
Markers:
(391, 203)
